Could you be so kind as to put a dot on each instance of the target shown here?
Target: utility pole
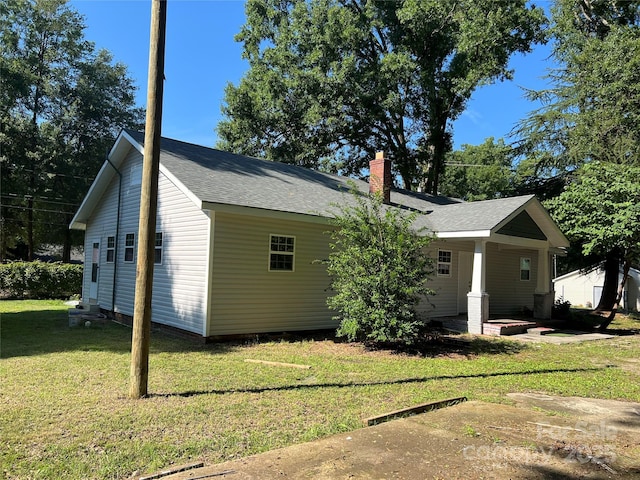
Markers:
(139, 378)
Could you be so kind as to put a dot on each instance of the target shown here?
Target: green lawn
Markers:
(64, 409)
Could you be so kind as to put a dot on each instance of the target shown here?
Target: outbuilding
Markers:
(583, 288)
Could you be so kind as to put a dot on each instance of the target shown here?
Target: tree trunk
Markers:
(611, 270)
(440, 144)
(66, 249)
(620, 292)
(438, 162)
(3, 236)
(30, 239)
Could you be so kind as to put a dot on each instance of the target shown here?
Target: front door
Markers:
(95, 267)
(465, 271)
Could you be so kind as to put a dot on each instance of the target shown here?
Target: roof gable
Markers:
(523, 226)
(118, 153)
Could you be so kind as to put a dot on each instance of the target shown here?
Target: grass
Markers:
(64, 409)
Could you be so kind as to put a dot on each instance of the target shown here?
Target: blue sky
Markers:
(202, 57)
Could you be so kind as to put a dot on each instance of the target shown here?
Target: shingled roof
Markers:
(217, 178)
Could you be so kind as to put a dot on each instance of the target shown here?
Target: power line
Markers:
(17, 207)
(15, 196)
(23, 223)
(53, 174)
(469, 165)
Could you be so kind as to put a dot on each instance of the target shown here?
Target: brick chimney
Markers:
(380, 176)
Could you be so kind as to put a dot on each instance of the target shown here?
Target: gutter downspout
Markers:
(115, 250)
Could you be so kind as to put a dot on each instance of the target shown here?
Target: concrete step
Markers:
(84, 312)
(506, 327)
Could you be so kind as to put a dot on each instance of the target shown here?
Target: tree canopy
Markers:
(592, 108)
(332, 81)
(602, 194)
(61, 105)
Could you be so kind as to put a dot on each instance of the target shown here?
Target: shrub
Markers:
(40, 280)
(379, 268)
(561, 309)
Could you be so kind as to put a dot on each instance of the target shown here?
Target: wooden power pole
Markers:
(148, 205)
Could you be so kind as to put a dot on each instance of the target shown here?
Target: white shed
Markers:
(583, 288)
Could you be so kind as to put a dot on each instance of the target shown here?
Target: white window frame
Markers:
(130, 247)
(279, 251)
(135, 175)
(527, 261)
(158, 248)
(111, 249)
(446, 265)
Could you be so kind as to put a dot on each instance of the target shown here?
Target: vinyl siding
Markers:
(102, 225)
(247, 297)
(633, 292)
(507, 293)
(445, 301)
(180, 282)
(179, 290)
(129, 217)
(578, 288)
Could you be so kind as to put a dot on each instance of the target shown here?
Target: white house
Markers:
(237, 238)
(583, 288)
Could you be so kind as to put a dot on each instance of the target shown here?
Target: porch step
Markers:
(506, 327)
(84, 312)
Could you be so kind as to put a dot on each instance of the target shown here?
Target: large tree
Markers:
(61, 106)
(592, 108)
(332, 81)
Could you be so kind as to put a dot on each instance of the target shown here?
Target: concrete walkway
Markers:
(536, 437)
(560, 337)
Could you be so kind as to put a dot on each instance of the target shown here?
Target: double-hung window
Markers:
(111, 249)
(525, 269)
(281, 253)
(157, 259)
(444, 263)
(129, 245)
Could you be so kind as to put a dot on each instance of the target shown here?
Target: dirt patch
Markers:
(540, 437)
(630, 365)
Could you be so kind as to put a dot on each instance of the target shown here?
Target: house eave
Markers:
(465, 235)
(507, 240)
(267, 213)
(101, 182)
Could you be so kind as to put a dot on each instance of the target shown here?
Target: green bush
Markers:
(379, 268)
(561, 309)
(25, 280)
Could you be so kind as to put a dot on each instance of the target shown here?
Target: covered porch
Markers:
(539, 274)
(504, 269)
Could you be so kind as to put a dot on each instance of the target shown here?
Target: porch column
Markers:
(478, 298)
(543, 296)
